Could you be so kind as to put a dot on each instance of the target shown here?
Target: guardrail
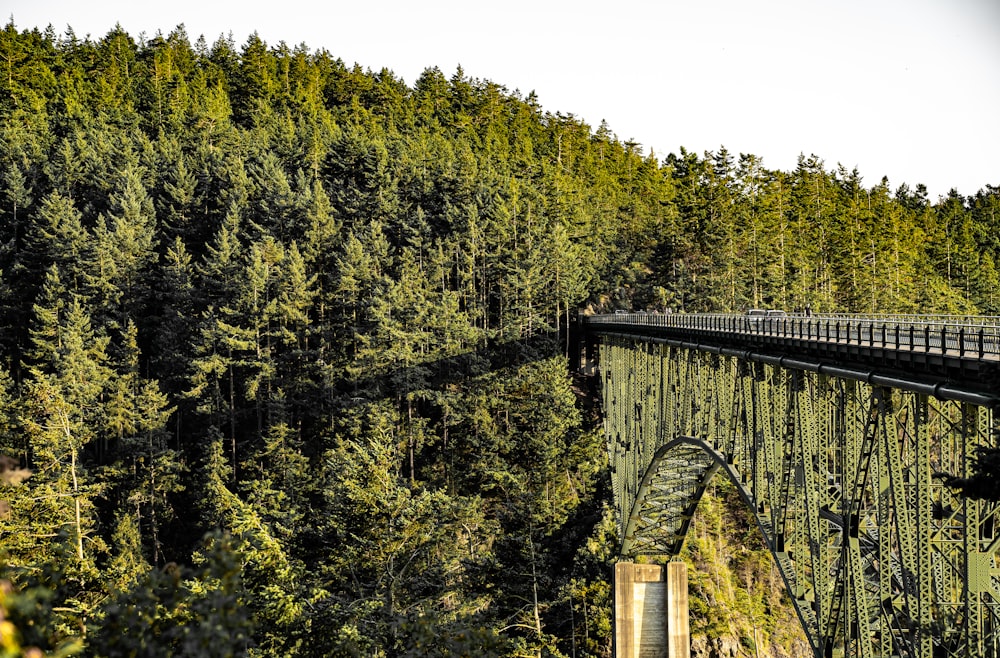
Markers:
(970, 337)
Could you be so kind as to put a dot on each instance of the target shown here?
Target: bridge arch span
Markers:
(668, 497)
(879, 557)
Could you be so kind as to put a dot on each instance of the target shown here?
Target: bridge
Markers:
(839, 432)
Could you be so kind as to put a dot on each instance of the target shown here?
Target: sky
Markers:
(903, 89)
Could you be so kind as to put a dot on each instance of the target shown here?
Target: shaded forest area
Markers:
(283, 344)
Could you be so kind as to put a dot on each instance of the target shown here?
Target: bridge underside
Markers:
(880, 558)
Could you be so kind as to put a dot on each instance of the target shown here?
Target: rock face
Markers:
(730, 647)
(716, 647)
(799, 649)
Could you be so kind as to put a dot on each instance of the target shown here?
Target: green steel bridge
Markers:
(838, 432)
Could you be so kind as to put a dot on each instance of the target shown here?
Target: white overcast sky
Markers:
(907, 89)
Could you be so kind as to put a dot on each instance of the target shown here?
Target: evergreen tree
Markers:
(63, 416)
(138, 414)
(122, 253)
(177, 203)
(57, 237)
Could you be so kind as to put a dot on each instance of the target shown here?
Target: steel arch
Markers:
(880, 558)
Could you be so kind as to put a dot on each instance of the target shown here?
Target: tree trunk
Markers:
(76, 502)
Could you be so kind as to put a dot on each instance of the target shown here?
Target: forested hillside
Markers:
(283, 340)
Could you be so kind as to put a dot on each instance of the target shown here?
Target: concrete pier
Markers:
(651, 611)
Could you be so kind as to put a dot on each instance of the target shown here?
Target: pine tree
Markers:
(293, 335)
(177, 203)
(117, 80)
(122, 253)
(408, 549)
(25, 78)
(137, 416)
(273, 200)
(269, 574)
(254, 79)
(62, 416)
(362, 277)
(57, 237)
(18, 193)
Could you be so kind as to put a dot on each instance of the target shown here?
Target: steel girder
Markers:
(879, 557)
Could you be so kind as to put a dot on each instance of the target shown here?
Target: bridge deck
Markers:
(949, 352)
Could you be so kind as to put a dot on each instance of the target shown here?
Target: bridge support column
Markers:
(651, 611)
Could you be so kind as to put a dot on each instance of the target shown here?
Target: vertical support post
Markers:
(651, 611)
(678, 628)
(884, 518)
(923, 516)
(976, 564)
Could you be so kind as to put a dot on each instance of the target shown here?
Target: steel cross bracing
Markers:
(880, 558)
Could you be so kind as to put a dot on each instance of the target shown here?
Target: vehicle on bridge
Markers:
(758, 317)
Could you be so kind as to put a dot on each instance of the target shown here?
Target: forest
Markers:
(283, 343)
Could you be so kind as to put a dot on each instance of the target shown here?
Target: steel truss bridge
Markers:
(836, 430)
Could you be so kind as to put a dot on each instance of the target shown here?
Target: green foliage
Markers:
(984, 482)
(321, 316)
(427, 636)
(181, 611)
(736, 591)
(31, 606)
(30, 609)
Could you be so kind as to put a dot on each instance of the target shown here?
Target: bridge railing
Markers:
(964, 336)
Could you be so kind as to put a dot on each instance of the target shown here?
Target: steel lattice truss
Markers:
(880, 558)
